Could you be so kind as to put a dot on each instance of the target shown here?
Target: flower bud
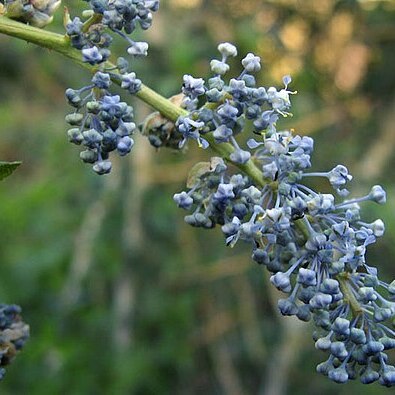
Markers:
(37, 13)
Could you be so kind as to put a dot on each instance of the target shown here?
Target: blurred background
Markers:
(121, 295)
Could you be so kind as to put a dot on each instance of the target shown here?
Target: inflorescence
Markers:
(101, 122)
(13, 334)
(313, 244)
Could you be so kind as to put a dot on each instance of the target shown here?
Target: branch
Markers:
(61, 44)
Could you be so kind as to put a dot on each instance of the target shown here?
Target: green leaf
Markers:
(7, 168)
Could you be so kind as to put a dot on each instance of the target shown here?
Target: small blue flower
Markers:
(279, 100)
(228, 114)
(190, 130)
(131, 83)
(214, 95)
(183, 200)
(124, 145)
(75, 136)
(267, 120)
(320, 301)
(369, 375)
(111, 104)
(74, 27)
(281, 281)
(341, 326)
(224, 193)
(238, 89)
(193, 87)
(287, 80)
(222, 134)
(323, 343)
(338, 375)
(227, 49)
(251, 63)
(92, 55)
(287, 307)
(270, 170)
(307, 277)
(138, 49)
(219, 67)
(216, 83)
(101, 80)
(240, 156)
(372, 347)
(92, 138)
(330, 286)
(125, 128)
(339, 350)
(102, 167)
(377, 194)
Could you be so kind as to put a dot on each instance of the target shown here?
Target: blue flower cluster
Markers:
(101, 122)
(313, 244)
(120, 17)
(13, 334)
(230, 105)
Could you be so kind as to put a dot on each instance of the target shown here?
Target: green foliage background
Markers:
(124, 298)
